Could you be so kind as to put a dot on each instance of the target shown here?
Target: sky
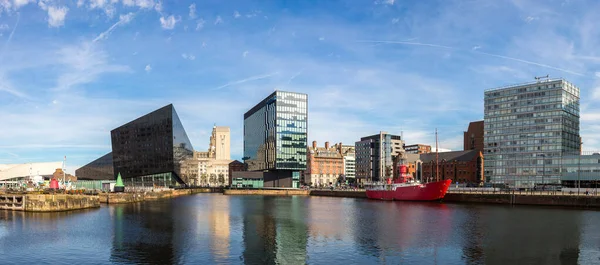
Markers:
(71, 71)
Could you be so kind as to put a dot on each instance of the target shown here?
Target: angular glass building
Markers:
(275, 138)
(528, 128)
(99, 169)
(151, 150)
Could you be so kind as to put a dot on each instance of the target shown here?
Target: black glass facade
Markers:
(275, 134)
(151, 150)
(99, 169)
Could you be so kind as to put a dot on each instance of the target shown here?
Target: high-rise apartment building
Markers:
(275, 132)
(374, 155)
(527, 129)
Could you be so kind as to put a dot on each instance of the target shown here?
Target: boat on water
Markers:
(406, 188)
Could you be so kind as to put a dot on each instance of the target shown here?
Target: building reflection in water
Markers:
(220, 229)
(268, 242)
(530, 234)
(141, 235)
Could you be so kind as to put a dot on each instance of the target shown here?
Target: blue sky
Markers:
(70, 71)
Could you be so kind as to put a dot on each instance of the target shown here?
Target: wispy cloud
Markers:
(236, 14)
(123, 19)
(199, 24)
(186, 56)
(148, 68)
(252, 78)
(218, 20)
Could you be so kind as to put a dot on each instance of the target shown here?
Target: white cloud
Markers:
(20, 3)
(476, 48)
(144, 3)
(218, 20)
(199, 24)
(56, 16)
(530, 18)
(389, 2)
(245, 54)
(79, 3)
(148, 68)
(128, 2)
(395, 20)
(193, 10)
(186, 56)
(321, 38)
(3, 27)
(236, 14)
(169, 22)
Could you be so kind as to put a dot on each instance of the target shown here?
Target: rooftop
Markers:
(550, 80)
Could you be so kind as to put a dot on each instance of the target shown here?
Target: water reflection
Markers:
(217, 229)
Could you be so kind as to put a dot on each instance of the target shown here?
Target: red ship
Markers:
(405, 188)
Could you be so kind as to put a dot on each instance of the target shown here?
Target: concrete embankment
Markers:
(523, 199)
(345, 194)
(275, 192)
(130, 197)
(47, 202)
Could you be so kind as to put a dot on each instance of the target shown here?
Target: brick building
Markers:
(417, 149)
(324, 165)
(410, 160)
(473, 137)
(459, 166)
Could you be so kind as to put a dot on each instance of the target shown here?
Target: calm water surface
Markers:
(218, 229)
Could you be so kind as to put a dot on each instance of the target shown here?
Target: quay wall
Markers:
(345, 194)
(276, 192)
(522, 199)
(48, 202)
(131, 197)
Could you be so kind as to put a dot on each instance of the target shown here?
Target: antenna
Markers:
(538, 78)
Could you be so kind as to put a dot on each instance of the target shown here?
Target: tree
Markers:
(221, 179)
(213, 178)
(203, 178)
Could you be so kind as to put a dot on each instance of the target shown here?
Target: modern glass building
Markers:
(527, 129)
(151, 150)
(99, 169)
(275, 138)
(581, 170)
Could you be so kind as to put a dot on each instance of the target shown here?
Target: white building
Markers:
(18, 171)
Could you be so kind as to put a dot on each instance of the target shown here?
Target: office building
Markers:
(527, 129)
(348, 152)
(417, 149)
(473, 137)
(275, 138)
(581, 170)
(374, 156)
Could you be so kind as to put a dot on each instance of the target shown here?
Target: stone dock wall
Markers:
(47, 202)
(345, 194)
(523, 199)
(275, 192)
(112, 198)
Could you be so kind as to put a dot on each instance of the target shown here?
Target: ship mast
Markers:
(437, 168)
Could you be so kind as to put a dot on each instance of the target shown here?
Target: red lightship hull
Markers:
(418, 192)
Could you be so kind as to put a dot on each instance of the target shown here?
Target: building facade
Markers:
(411, 160)
(527, 129)
(417, 149)
(325, 165)
(374, 156)
(473, 137)
(275, 138)
(235, 166)
(212, 166)
(459, 166)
